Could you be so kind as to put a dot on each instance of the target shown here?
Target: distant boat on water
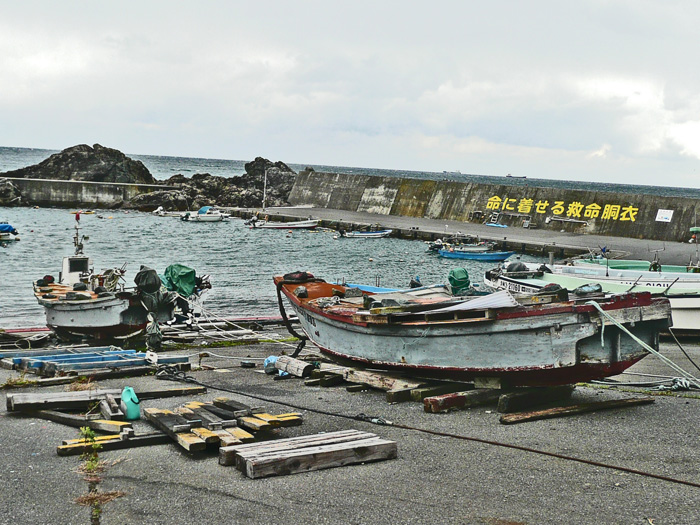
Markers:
(485, 256)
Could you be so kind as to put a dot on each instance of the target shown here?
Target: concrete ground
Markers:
(668, 252)
(454, 468)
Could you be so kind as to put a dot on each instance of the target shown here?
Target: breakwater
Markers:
(635, 216)
(72, 193)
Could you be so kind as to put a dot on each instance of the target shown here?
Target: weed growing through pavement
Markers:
(92, 468)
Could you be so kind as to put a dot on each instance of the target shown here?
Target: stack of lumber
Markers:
(223, 422)
(307, 453)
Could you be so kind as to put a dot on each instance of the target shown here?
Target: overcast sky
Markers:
(589, 90)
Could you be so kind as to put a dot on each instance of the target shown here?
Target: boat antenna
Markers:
(77, 239)
(669, 286)
(264, 190)
(634, 284)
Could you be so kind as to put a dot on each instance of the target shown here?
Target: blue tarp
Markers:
(203, 210)
(6, 228)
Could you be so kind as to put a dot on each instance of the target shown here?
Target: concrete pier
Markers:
(523, 240)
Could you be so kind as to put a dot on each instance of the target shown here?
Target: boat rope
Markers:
(166, 372)
(664, 359)
(302, 337)
(683, 349)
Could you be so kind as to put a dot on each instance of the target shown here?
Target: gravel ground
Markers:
(443, 474)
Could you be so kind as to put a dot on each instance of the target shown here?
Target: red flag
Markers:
(77, 216)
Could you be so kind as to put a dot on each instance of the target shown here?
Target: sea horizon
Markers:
(162, 167)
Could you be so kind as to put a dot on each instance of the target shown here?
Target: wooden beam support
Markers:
(295, 367)
(143, 440)
(460, 400)
(520, 417)
(523, 398)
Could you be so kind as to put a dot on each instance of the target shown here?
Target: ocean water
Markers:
(240, 261)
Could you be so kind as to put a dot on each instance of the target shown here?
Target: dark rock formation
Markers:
(170, 200)
(245, 191)
(82, 162)
(9, 194)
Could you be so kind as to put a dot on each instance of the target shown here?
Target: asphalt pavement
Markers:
(636, 465)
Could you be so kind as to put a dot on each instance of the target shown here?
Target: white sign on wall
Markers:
(664, 215)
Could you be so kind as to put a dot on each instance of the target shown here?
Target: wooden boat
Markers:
(462, 243)
(308, 224)
(519, 340)
(161, 212)
(377, 234)
(486, 256)
(684, 296)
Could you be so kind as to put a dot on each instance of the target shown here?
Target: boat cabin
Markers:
(75, 269)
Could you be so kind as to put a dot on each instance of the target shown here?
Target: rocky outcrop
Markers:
(245, 191)
(85, 163)
(9, 194)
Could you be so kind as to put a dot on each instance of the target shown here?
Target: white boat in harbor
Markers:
(204, 214)
(683, 294)
(521, 341)
(161, 212)
(255, 223)
(8, 232)
(377, 234)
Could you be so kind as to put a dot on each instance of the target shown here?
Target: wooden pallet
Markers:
(307, 453)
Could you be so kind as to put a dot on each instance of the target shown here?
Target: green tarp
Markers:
(179, 278)
(459, 281)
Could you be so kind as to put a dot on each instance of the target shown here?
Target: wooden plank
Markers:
(207, 435)
(77, 421)
(528, 397)
(154, 438)
(253, 423)
(81, 399)
(321, 457)
(209, 419)
(110, 409)
(295, 367)
(331, 380)
(242, 435)
(97, 439)
(419, 394)
(459, 400)
(238, 409)
(228, 455)
(375, 379)
(520, 417)
(171, 424)
(226, 439)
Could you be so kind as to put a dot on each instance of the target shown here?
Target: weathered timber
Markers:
(331, 380)
(520, 417)
(313, 382)
(290, 419)
(419, 394)
(78, 421)
(210, 419)
(81, 399)
(230, 455)
(378, 380)
(398, 395)
(529, 397)
(240, 434)
(238, 409)
(226, 439)
(459, 400)
(320, 457)
(84, 441)
(357, 387)
(110, 408)
(207, 435)
(172, 424)
(295, 367)
(253, 423)
(143, 440)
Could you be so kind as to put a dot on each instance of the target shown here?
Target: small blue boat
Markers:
(476, 256)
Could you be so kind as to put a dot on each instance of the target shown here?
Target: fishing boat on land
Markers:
(82, 304)
(255, 223)
(375, 234)
(8, 232)
(682, 290)
(521, 340)
(485, 256)
(204, 214)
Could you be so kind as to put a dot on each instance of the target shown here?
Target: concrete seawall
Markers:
(633, 216)
(72, 193)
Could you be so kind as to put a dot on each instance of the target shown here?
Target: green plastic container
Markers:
(130, 404)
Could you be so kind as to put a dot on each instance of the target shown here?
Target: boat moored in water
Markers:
(468, 254)
(204, 214)
(8, 232)
(520, 340)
